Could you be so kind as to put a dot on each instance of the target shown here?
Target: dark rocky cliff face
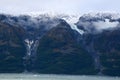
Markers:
(107, 46)
(59, 53)
(54, 47)
(12, 48)
(102, 41)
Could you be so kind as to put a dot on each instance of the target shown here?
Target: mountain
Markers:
(12, 48)
(102, 41)
(61, 44)
(106, 47)
(63, 53)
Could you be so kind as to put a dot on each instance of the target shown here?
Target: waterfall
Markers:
(94, 54)
(26, 58)
(29, 44)
(31, 47)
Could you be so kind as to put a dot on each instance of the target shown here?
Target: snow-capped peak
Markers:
(98, 22)
(101, 15)
(72, 20)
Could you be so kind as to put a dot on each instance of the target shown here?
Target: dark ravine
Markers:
(56, 45)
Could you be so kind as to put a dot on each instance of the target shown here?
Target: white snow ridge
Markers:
(71, 20)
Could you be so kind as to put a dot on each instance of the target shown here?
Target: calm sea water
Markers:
(52, 77)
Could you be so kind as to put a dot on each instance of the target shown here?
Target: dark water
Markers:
(52, 77)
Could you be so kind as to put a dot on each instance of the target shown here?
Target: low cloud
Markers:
(97, 26)
(107, 24)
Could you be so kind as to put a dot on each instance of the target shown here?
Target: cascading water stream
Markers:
(29, 44)
(26, 58)
(31, 47)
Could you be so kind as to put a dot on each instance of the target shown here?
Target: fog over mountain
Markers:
(99, 22)
(77, 37)
(60, 44)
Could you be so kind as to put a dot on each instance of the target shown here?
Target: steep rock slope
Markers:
(58, 52)
(101, 39)
(60, 44)
(107, 46)
(12, 48)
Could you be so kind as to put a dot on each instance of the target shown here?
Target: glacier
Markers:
(71, 20)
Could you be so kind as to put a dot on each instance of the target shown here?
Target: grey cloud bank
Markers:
(58, 6)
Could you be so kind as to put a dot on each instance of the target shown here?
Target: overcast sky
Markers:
(59, 6)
